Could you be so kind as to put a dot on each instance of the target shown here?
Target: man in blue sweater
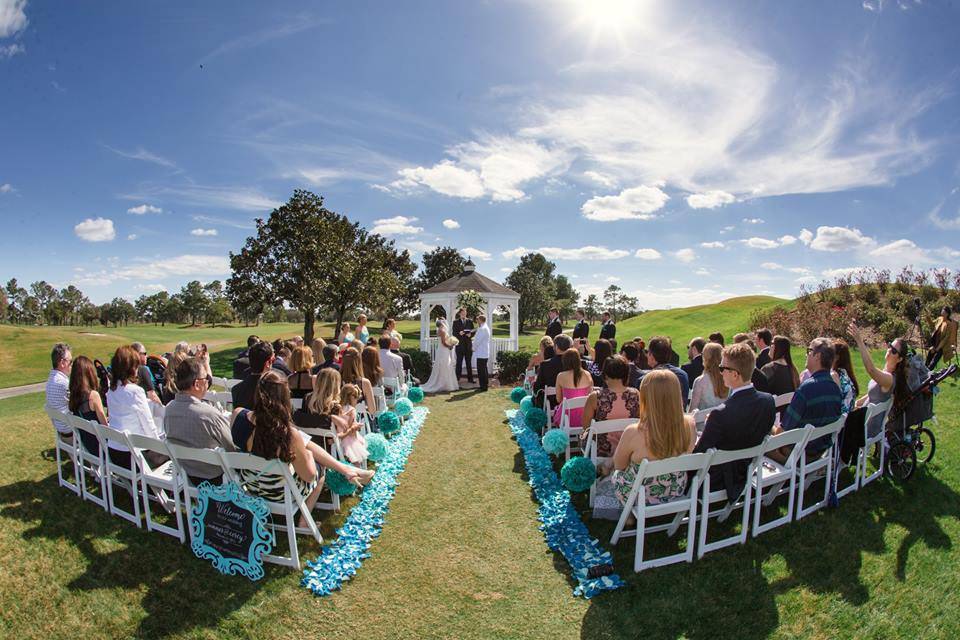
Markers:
(818, 400)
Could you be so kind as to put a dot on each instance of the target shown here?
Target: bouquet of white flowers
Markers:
(452, 341)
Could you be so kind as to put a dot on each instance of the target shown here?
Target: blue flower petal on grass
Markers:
(560, 523)
(340, 560)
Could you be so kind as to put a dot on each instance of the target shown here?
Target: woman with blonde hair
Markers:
(708, 389)
(544, 352)
(169, 389)
(317, 347)
(663, 431)
(300, 381)
(362, 333)
(345, 335)
(351, 372)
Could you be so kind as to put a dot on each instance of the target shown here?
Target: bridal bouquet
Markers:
(452, 341)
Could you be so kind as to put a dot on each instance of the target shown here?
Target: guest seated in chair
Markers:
(613, 401)
(662, 432)
(659, 354)
(709, 388)
(550, 369)
(572, 382)
(261, 361)
(301, 380)
(694, 367)
(85, 400)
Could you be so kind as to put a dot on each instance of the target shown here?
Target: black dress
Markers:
(300, 384)
(90, 442)
(779, 378)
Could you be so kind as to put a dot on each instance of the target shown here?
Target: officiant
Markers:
(463, 330)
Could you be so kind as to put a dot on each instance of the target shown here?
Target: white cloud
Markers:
(701, 272)
(771, 265)
(226, 222)
(144, 208)
(493, 166)
(145, 156)
(6, 188)
(10, 50)
(475, 253)
(96, 230)
(840, 239)
(450, 223)
(181, 266)
(941, 222)
(776, 266)
(787, 240)
(132, 236)
(415, 246)
(710, 199)
(581, 253)
(648, 254)
(612, 279)
(712, 245)
(154, 287)
(842, 271)
(395, 226)
(900, 252)
(806, 236)
(227, 197)
(761, 243)
(601, 178)
(685, 255)
(203, 232)
(13, 18)
(753, 220)
(637, 203)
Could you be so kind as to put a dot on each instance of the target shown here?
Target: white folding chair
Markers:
(161, 483)
(683, 509)
(91, 463)
(223, 398)
(380, 399)
(127, 477)
(397, 390)
(781, 401)
(292, 501)
(598, 428)
(217, 381)
(879, 440)
(775, 475)
(364, 417)
(700, 417)
(325, 436)
(179, 454)
(709, 496)
(65, 443)
(549, 398)
(573, 433)
(231, 383)
(809, 471)
(528, 378)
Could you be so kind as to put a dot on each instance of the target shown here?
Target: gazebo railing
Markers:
(430, 345)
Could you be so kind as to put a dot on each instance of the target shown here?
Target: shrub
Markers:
(511, 365)
(893, 328)
(420, 361)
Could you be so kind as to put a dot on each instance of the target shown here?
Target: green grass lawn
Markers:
(461, 557)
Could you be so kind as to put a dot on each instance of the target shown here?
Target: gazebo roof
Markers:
(470, 279)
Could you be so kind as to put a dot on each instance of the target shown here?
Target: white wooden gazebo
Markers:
(445, 295)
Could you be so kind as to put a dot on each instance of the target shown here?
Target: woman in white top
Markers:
(128, 406)
(708, 389)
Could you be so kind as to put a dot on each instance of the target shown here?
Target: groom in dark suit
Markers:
(463, 331)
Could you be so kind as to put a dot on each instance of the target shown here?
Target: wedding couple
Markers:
(454, 349)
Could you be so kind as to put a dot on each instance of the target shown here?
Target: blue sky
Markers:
(687, 151)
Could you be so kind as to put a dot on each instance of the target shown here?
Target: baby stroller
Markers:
(908, 440)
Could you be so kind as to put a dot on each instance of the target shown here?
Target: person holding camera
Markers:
(943, 340)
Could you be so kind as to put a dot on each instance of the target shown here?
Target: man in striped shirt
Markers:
(58, 384)
(818, 400)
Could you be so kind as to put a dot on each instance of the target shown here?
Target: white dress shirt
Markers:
(130, 411)
(58, 393)
(392, 365)
(481, 341)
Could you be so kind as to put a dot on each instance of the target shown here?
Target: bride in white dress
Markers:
(443, 377)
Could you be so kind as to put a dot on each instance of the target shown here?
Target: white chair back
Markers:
(396, 389)
(783, 399)
(809, 471)
(91, 463)
(879, 440)
(549, 400)
(573, 433)
(775, 475)
(218, 381)
(126, 476)
(712, 495)
(296, 403)
(68, 444)
(380, 398)
(161, 483)
(222, 398)
(598, 428)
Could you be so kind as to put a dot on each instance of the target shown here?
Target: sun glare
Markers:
(607, 21)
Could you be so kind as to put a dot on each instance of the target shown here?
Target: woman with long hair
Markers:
(843, 367)
(300, 381)
(544, 352)
(351, 372)
(663, 431)
(317, 347)
(84, 399)
(708, 389)
(345, 334)
(267, 431)
(572, 382)
(129, 408)
(601, 352)
(169, 389)
(780, 373)
(889, 381)
(372, 371)
(943, 340)
(612, 401)
(362, 333)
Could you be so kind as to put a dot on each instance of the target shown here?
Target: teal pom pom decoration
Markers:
(536, 418)
(526, 404)
(388, 422)
(415, 394)
(403, 407)
(339, 485)
(578, 474)
(518, 394)
(376, 447)
(555, 442)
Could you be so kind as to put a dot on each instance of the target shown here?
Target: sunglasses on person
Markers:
(894, 350)
(726, 368)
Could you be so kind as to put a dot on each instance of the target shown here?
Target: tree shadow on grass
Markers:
(181, 592)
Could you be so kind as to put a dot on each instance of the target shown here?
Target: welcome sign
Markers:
(230, 529)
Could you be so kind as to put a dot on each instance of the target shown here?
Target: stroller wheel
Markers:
(901, 461)
(925, 445)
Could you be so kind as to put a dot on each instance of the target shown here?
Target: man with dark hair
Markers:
(550, 369)
(241, 364)
(58, 386)
(608, 330)
(742, 421)
(630, 352)
(818, 400)
(278, 361)
(716, 337)
(391, 363)
(261, 360)
(581, 330)
(463, 331)
(554, 326)
(659, 352)
(329, 353)
(192, 422)
(764, 341)
(694, 368)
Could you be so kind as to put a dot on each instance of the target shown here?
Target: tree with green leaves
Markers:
(438, 265)
(533, 280)
(565, 297)
(472, 301)
(195, 301)
(613, 300)
(16, 296)
(591, 307)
